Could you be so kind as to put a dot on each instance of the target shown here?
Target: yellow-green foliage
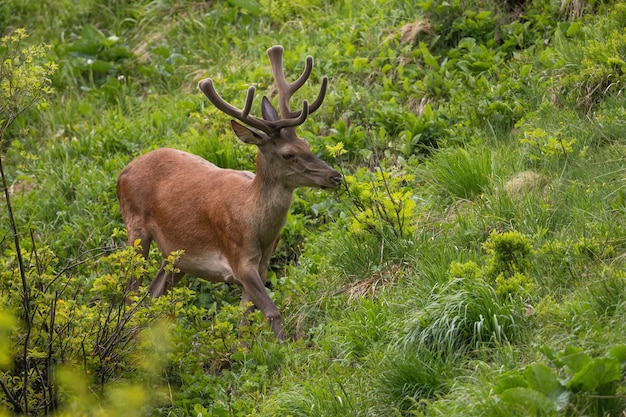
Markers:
(591, 64)
(7, 325)
(510, 259)
(602, 70)
(98, 333)
(517, 284)
(382, 200)
(509, 252)
(506, 265)
(23, 80)
(545, 145)
(469, 270)
(594, 248)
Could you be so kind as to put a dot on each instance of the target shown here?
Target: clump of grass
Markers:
(463, 316)
(462, 173)
(414, 375)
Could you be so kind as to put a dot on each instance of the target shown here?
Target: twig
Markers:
(14, 402)
(25, 287)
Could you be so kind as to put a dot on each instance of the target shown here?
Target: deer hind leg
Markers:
(163, 281)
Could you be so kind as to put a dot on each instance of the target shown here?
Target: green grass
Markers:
(478, 126)
(462, 173)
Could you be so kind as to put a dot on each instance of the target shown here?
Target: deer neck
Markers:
(272, 201)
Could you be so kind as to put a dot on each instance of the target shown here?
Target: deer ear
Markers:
(268, 111)
(248, 135)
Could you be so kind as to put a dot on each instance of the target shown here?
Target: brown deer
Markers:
(227, 222)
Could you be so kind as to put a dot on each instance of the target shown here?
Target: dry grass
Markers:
(411, 31)
(524, 182)
(373, 285)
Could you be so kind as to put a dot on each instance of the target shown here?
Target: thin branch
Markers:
(11, 398)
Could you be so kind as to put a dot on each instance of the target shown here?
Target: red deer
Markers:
(227, 222)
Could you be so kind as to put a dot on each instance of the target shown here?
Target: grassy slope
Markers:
(396, 320)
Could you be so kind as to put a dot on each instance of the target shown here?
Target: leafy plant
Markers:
(61, 329)
(381, 201)
(509, 253)
(543, 145)
(94, 56)
(576, 381)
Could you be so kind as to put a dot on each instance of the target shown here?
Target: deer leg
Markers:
(254, 290)
(163, 281)
(144, 241)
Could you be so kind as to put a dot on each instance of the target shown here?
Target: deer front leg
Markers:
(253, 289)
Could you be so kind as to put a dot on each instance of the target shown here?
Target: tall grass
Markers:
(462, 173)
(462, 316)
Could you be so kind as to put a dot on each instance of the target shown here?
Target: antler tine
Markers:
(296, 85)
(267, 126)
(308, 67)
(286, 89)
(320, 97)
(207, 87)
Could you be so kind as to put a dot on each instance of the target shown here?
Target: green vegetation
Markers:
(472, 264)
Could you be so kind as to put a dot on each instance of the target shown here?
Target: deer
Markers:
(226, 222)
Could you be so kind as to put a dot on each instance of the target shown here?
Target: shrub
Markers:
(509, 253)
(381, 201)
(541, 145)
(599, 70)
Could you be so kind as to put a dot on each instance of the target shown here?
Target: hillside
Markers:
(472, 263)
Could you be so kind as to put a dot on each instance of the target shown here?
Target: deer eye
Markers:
(289, 156)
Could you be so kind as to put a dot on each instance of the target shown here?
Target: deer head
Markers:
(278, 142)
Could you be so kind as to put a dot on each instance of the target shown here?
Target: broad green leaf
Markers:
(513, 380)
(573, 359)
(529, 400)
(251, 6)
(542, 378)
(428, 57)
(360, 64)
(562, 399)
(101, 66)
(90, 42)
(595, 373)
(551, 354)
(619, 353)
(574, 29)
